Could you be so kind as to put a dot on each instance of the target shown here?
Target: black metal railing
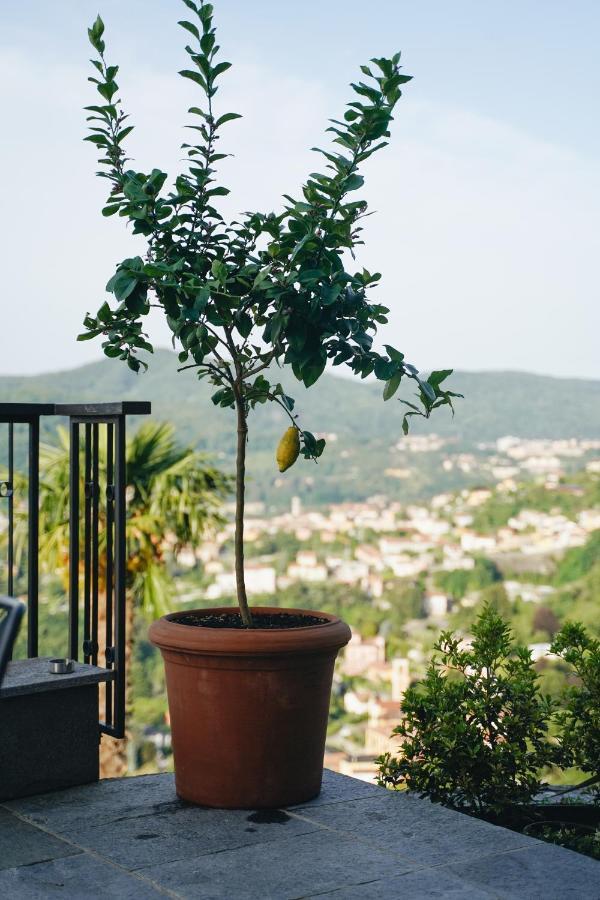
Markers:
(97, 534)
(18, 417)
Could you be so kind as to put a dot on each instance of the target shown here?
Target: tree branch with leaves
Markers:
(271, 289)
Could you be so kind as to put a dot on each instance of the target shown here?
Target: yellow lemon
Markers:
(288, 448)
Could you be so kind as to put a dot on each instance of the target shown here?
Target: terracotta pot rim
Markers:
(168, 634)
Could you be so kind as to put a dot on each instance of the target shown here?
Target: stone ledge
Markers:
(31, 676)
(134, 837)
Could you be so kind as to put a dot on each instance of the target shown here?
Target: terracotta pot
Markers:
(249, 708)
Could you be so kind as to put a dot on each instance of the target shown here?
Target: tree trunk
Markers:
(240, 487)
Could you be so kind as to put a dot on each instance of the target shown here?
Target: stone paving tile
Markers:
(93, 805)
(193, 831)
(356, 841)
(282, 870)
(540, 872)
(423, 884)
(337, 788)
(419, 830)
(22, 844)
(79, 877)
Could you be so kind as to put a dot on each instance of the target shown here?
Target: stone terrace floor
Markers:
(132, 838)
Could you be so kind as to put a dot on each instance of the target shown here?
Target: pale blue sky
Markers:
(488, 201)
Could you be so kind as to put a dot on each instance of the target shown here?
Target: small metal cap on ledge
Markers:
(60, 666)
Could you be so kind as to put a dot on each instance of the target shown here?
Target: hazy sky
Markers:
(487, 225)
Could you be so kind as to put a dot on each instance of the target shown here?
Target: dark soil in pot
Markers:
(234, 620)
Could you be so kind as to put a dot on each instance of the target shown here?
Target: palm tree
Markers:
(174, 496)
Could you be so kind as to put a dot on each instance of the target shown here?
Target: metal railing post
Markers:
(10, 496)
(120, 575)
(74, 540)
(33, 512)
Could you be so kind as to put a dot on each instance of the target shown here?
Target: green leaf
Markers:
(300, 245)
(123, 133)
(201, 299)
(220, 68)
(98, 139)
(228, 117)
(207, 42)
(95, 35)
(330, 293)
(88, 335)
(121, 285)
(205, 11)
(112, 351)
(136, 301)
(98, 27)
(108, 90)
(313, 371)
(344, 354)
(353, 182)
(225, 398)
(104, 313)
(219, 270)
(427, 389)
(394, 354)
(193, 76)
(392, 386)
(135, 364)
(244, 324)
(218, 192)
(310, 442)
(436, 378)
(385, 369)
(296, 333)
(190, 27)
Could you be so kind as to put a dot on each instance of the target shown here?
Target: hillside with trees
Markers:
(365, 445)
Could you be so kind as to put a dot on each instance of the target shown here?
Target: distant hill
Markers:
(367, 429)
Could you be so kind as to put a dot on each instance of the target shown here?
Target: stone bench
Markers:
(49, 732)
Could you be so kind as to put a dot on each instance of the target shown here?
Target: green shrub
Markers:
(475, 731)
(579, 717)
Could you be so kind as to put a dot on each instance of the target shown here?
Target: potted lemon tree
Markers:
(249, 688)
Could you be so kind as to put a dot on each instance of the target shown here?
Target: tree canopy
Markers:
(268, 289)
